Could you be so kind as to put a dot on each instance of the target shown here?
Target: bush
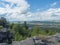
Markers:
(1, 27)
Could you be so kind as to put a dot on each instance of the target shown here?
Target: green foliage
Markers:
(43, 32)
(21, 31)
(18, 37)
(51, 32)
(16, 27)
(11, 25)
(1, 27)
(25, 25)
(3, 22)
(36, 31)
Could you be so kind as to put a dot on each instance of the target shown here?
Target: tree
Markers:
(36, 31)
(25, 25)
(18, 37)
(3, 22)
(16, 29)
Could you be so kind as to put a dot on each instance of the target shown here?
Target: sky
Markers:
(30, 10)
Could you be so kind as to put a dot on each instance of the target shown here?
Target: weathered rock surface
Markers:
(52, 40)
(24, 42)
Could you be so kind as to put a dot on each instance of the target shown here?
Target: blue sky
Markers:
(42, 4)
(30, 10)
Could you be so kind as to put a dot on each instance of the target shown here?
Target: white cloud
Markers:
(16, 12)
(22, 6)
(50, 14)
(21, 13)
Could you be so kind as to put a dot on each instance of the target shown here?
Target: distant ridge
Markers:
(58, 22)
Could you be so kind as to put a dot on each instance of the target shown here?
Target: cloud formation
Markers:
(18, 10)
(47, 15)
(20, 6)
(14, 8)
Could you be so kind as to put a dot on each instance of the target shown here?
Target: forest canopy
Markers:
(22, 31)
